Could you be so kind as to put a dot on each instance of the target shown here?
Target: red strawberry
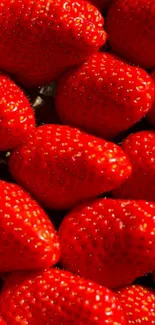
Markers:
(111, 242)
(138, 304)
(57, 297)
(2, 321)
(140, 148)
(40, 39)
(131, 30)
(104, 96)
(28, 239)
(151, 114)
(16, 114)
(62, 166)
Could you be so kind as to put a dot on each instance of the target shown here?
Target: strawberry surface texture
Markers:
(62, 166)
(28, 239)
(104, 96)
(77, 162)
(140, 148)
(16, 114)
(58, 297)
(40, 39)
(138, 304)
(109, 241)
(131, 30)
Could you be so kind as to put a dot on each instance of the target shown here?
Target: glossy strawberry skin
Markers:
(109, 241)
(138, 305)
(131, 30)
(47, 37)
(58, 297)
(140, 148)
(62, 166)
(151, 114)
(28, 239)
(16, 114)
(2, 321)
(104, 96)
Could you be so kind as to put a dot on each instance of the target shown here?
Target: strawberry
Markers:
(40, 39)
(138, 304)
(16, 114)
(151, 114)
(28, 239)
(57, 297)
(140, 148)
(131, 30)
(104, 96)
(109, 241)
(2, 321)
(62, 166)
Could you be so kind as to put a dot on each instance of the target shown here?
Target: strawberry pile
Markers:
(77, 162)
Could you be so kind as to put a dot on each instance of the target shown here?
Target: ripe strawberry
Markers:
(28, 239)
(57, 297)
(104, 96)
(16, 114)
(151, 114)
(40, 39)
(111, 242)
(140, 148)
(62, 166)
(2, 321)
(138, 304)
(131, 30)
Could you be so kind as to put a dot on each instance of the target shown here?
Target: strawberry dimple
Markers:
(28, 239)
(62, 166)
(109, 240)
(57, 297)
(104, 96)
